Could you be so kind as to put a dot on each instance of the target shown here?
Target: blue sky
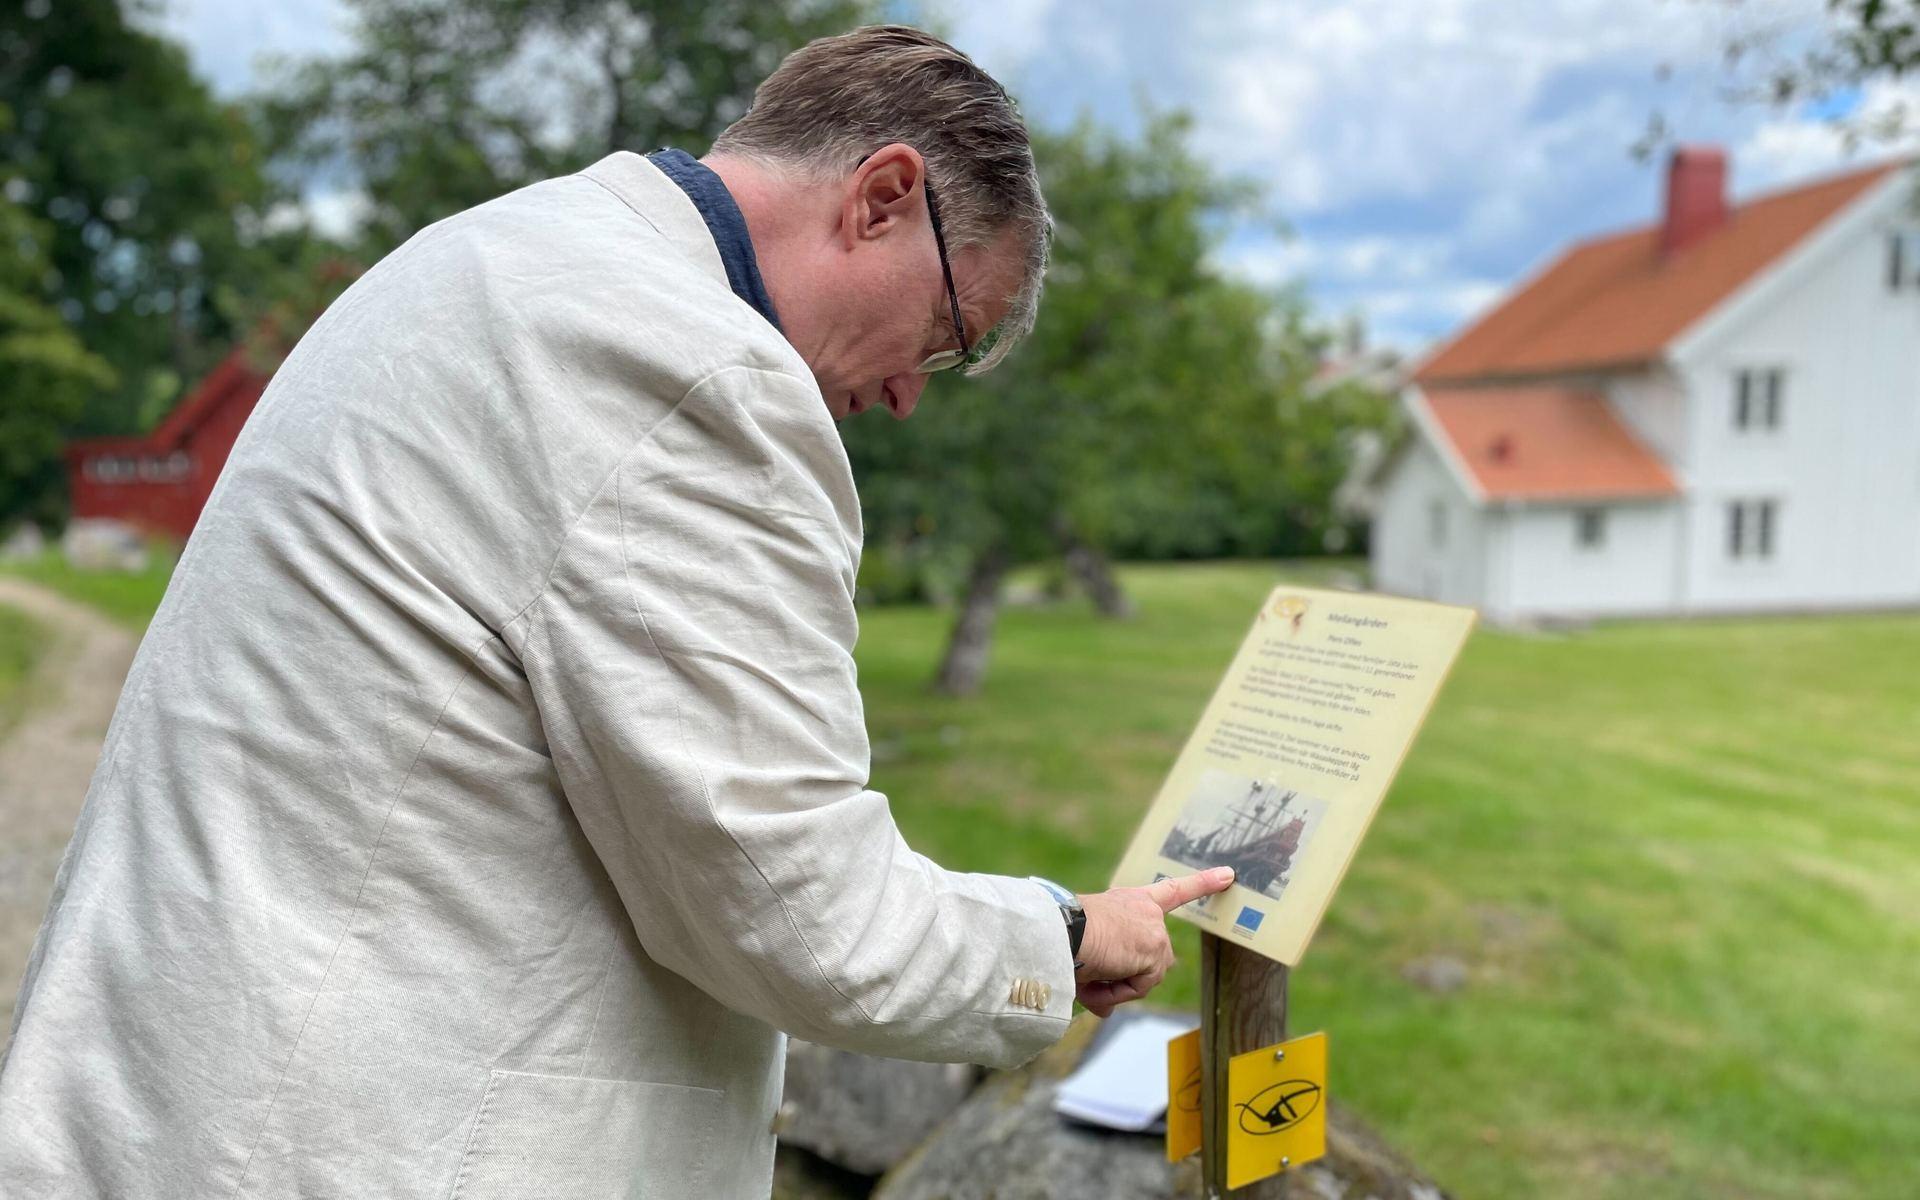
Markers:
(1423, 153)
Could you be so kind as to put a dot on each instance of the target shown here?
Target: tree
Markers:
(1865, 40)
(1155, 404)
(444, 104)
(149, 205)
(1861, 43)
(46, 375)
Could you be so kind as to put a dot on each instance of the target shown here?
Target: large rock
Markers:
(1006, 1143)
(26, 541)
(98, 544)
(865, 1114)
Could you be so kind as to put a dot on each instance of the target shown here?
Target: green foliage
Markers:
(46, 375)
(444, 104)
(1773, 61)
(1160, 408)
(149, 192)
(1676, 858)
(1879, 36)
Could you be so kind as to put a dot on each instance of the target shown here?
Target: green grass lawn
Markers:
(128, 597)
(20, 645)
(1681, 860)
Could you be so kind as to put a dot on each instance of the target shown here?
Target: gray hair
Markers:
(837, 99)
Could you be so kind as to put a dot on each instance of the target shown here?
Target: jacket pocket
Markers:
(560, 1137)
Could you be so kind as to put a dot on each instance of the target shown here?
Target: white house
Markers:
(1718, 412)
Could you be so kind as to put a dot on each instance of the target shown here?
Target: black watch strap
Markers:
(1071, 911)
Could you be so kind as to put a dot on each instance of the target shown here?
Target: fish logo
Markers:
(1187, 1097)
(1278, 1107)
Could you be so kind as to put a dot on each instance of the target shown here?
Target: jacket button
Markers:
(1029, 993)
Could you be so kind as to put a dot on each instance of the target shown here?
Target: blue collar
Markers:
(724, 222)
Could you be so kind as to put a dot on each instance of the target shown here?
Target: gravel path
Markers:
(47, 760)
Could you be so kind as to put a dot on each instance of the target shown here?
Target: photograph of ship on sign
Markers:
(1256, 826)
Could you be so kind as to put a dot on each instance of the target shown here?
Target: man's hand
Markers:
(1125, 950)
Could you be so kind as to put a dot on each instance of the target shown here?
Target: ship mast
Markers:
(1253, 818)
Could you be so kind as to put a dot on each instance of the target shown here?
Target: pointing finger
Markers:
(1172, 893)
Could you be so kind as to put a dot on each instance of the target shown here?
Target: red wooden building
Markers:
(159, 481)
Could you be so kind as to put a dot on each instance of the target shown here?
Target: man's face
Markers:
(877, 301)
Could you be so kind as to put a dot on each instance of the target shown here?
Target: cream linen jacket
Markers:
(490, 788)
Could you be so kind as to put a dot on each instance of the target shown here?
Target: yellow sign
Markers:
(1183, 1095)
(1292, 757)
(1277, 1109)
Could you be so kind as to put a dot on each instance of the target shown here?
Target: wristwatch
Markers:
(1070, 910)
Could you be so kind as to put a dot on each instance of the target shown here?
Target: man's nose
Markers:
(904, 391)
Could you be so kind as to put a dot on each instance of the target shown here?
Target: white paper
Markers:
(1123, 1083)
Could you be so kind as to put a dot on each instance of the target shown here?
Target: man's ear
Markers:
(883, 192)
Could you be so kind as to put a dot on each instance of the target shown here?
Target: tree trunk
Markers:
(1090, 568)
(964, 666)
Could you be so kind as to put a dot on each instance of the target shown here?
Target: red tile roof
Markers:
(1617, 301)
(1546, 443)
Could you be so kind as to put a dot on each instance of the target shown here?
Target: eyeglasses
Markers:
(944, 360)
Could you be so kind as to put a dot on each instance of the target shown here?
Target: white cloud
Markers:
(1784, 148)
(1341, 262)
(228, 37)
(1004, 36)
(1424, 152)
(339, 214)
(1454, 302)
(1271, 264)
(1406, 287)
(1377, 99)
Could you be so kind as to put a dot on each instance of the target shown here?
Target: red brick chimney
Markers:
(1696, 196)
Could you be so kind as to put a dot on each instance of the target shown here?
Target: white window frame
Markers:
(112, 468)
(1759, 398)
(1590, 529)
(1753, 529)
(1903, 260)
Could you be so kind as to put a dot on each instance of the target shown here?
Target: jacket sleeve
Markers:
(691, 656)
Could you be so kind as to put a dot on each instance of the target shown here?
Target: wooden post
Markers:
(1243, 1006)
